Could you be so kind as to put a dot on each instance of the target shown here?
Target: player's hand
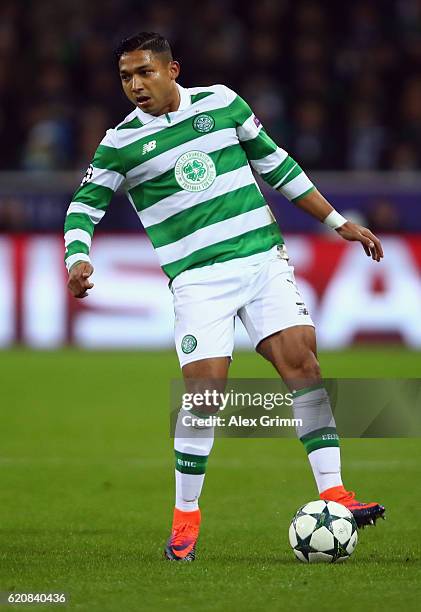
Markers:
(371, 244)
(78, 282)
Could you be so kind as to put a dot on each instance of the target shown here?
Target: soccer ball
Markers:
(323, 531)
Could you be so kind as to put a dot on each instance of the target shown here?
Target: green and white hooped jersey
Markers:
(188, 174)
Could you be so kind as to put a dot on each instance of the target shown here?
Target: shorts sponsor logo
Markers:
(195, 171)
(188, 344)
(203, 123)
(88, 175)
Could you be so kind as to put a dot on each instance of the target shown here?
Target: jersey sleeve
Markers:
(275, 165)
(103, 177)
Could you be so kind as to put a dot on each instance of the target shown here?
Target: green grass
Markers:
(86, 480)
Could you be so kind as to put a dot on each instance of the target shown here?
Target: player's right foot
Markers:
(185, 530)
(364, 514)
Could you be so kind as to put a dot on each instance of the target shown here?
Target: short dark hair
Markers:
(145, 41)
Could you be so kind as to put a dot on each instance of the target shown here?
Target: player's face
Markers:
(148, 80)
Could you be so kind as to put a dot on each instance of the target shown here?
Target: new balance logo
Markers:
(148, 147)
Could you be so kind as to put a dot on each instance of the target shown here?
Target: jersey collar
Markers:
(185, 102)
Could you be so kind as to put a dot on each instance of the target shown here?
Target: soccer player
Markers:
(185, 158)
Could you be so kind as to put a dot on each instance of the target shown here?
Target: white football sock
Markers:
(317, 432)
(187, 490)
(192, 447)
(326, 466)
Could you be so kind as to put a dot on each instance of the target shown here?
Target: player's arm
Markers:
(283, 173)
(88, 206)
(316, 205)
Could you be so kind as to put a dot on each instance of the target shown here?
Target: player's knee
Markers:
(309, 368)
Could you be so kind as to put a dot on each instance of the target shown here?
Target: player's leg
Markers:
(293, 353)
(192, 445)
(205, 306)
(281, 329)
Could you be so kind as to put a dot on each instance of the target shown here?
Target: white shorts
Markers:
(260, 289)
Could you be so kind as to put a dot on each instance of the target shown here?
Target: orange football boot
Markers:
(364, 514)
(185, 530)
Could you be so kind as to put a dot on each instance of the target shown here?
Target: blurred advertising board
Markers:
(350, 297)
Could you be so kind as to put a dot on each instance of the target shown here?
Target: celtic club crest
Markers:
(195, 171)
(188, 344)
(203, 123)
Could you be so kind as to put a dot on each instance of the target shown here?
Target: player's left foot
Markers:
(185, 530)
(364, 514)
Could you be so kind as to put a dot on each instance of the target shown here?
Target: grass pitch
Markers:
(86, 480)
